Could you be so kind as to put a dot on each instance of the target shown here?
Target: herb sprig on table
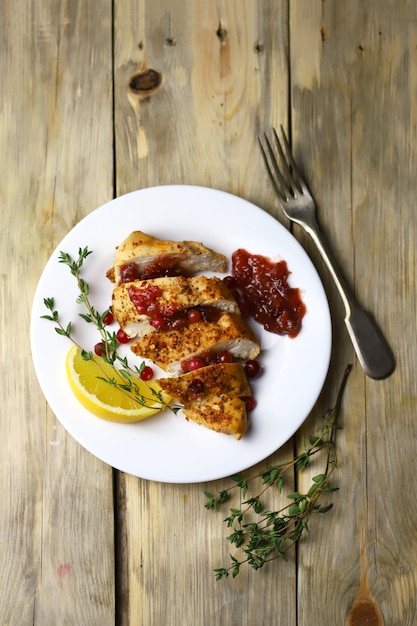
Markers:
(261, 534)
(126, 374)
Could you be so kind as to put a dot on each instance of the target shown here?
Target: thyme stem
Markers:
(264, 535)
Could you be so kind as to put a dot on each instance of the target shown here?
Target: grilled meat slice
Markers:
(170, 348)
(142, 256)
(213, 396)
(214, 380)
(134, 304)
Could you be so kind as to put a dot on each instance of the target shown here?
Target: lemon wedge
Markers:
(106, 400)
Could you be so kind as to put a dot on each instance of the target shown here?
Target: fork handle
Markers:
(371, 347)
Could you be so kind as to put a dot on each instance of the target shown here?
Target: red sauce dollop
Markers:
(263, 292)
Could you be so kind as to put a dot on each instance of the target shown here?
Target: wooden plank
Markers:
(225, 79)
(353, 78)
(218, 92)
(224, 69)
(56, 529)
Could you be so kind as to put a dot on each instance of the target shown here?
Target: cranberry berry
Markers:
(250, 403)
(146, 373)
(108, 318)
(122, 337)
(196, 387)
(252, 368)
(100, 348)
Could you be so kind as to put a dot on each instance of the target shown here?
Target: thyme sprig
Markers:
(264, 535)
(125, 375)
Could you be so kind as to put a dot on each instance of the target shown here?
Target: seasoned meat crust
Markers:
(177, 293)
(212, 396)
(168, 349)
(143, 250)
(217, 379)
(222, 414)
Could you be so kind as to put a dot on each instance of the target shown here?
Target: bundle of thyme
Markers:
(261, 534)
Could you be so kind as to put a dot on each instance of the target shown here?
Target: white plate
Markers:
(167, 448)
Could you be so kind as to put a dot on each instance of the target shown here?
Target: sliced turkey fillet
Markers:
(223, 414)
(143, 251)
(170, 348)
(215, 380)
(177, 294)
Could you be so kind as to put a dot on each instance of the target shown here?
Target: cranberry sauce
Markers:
(169, 317)
(262, 291)
(162, 266)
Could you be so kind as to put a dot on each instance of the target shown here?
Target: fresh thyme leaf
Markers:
(49, 303)
(271, 476)
(237, 538)
(324, 509)
(126, 374)
(222, 572)
(223, 496)
(212, 502)
(48, 317)
(293, 509)
(294, 496)
(62, 332)
(242, 483)
(271, 535)
(87, 318)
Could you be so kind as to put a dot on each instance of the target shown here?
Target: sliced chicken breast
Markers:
(217, 379)
(171, 348)
(142, 256)
(135, 304)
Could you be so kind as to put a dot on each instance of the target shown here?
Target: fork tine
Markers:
(289, 163)
(280, 191)
(282, 155)
(281, 167)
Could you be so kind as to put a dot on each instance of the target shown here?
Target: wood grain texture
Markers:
(56, 137)
(82, 544)
(173, 546)
(354, 130)
(224, 79)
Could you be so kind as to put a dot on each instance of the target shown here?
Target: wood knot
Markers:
(144, 84)
(365, 613)
(221, 33)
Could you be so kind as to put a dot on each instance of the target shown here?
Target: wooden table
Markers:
(83, 544)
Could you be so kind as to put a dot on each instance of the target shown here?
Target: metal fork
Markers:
(297, 203)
